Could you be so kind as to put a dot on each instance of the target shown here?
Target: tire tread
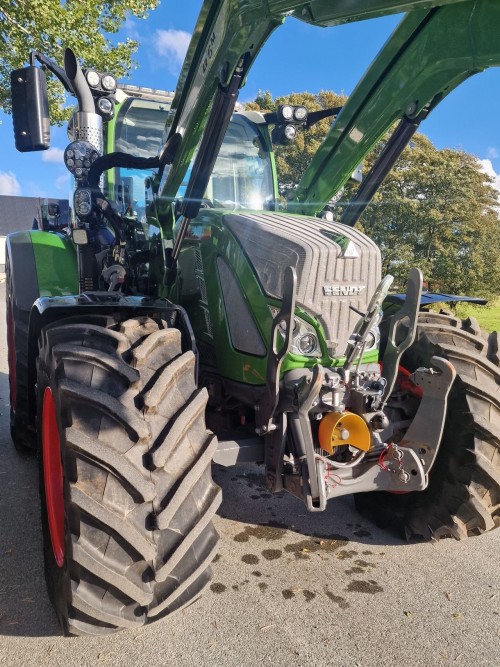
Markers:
(151, 523)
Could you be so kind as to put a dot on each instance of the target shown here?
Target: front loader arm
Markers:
(335, 12)
(226, 32)
(429, 54)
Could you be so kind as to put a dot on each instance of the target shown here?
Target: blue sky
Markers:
(297, 57)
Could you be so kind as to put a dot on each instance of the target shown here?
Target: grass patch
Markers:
(487, 316)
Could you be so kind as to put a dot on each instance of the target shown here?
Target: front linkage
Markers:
(340, 439)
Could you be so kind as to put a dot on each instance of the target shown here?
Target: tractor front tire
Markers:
(463, 496)
(125, 460)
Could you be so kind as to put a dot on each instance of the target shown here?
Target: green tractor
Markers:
(186, 317)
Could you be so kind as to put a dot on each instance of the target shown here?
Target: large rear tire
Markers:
(463, 496)
(126, 487)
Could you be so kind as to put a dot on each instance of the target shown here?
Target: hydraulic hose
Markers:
(119, 160)
(132, 162)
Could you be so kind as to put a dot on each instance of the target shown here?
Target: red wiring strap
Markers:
(330, 475)
(403, 379)
(381, 458)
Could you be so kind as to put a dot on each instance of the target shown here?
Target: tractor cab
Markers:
(242, 178)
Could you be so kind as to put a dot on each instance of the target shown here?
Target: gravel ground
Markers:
(289, 589)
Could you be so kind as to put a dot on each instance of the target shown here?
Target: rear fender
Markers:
(41, 264)
(38, 264)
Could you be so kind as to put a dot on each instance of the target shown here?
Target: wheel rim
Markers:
(11, 356)
(53, 476)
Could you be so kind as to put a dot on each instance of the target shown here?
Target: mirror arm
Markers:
(52, 67)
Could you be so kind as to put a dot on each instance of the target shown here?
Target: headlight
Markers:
(92, 78)
(108, 82)
(304, 338)
(307, 344)
(290, 132)
(80, 236)
(105, 106)
(296, 325)
(286, 112)
(82, 202)
(300, 114)
(372, 339)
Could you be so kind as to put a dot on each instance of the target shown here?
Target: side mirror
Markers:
(30, 109)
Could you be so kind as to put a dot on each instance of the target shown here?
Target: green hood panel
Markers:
(56, 264)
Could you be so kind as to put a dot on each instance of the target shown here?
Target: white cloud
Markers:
(492, 153)
(487, 167)
(172, 44)
(9, 185)
(53, 155)
(130, 27)
(62, 181)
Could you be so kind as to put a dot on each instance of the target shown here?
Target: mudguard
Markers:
(38, 264)
(394, 302)
(41, 264)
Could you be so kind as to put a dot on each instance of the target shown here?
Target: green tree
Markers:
(436, 209)
(49, 26)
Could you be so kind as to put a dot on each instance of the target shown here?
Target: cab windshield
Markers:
(242, 176)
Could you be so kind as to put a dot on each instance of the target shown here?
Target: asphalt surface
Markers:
(289, 589)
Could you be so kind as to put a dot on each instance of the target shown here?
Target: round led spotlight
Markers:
(105, 106)
(79, 157)
(290, 132)
(286, 112)
(300, 114)
(108, 82)
(92, 78)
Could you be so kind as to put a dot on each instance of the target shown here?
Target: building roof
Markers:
(18, 213)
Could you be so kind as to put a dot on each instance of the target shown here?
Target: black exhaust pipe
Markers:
(78, 82)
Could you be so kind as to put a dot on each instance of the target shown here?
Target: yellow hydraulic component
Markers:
(345, 428)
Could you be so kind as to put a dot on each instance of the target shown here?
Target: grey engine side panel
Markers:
(273, 241)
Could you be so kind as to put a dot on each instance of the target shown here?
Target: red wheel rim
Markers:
(12, 356)
(53, 476)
